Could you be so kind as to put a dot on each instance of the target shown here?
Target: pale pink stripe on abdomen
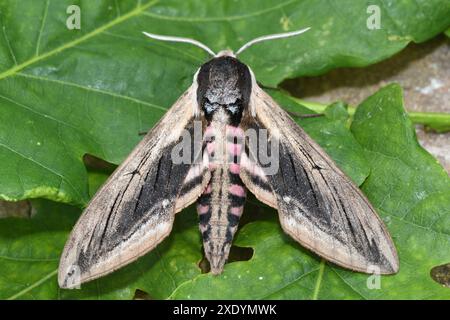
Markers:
(237, 190)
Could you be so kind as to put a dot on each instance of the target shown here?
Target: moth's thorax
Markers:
(224, 83)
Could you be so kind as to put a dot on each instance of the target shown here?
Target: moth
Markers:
(318, 205)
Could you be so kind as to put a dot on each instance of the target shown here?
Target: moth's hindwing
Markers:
(317, 203)
(134, 210)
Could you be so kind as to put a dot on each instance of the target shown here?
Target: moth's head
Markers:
(224, 82)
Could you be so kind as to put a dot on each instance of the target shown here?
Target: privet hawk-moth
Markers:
(208, 149)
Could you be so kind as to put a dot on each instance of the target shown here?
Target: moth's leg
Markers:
(306, 115)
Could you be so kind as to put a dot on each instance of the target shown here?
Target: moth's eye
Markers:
(209, 107)
(235, 107)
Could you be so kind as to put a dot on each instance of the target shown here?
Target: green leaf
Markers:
(30, 250)
(65, 93)
(409, 189)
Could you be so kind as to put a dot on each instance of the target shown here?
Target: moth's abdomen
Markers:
(221, 204)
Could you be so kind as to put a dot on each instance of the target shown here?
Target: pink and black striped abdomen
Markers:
(221, 204)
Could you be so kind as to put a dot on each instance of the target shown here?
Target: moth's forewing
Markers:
(318, 205)
(134, 210)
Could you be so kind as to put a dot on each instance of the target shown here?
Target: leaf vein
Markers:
(73, 43)
(159, 43)
(218, 19)
(9, 45)
(72, 84)
(349, 285)
(32, 286)
(38, 43)
(28, 259)
(43, 166)
(290, 283)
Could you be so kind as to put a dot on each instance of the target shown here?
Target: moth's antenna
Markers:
(271, 37)
(178, 39)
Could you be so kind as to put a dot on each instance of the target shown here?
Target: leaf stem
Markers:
(319, 280)
(437, 121)
(34, 285)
